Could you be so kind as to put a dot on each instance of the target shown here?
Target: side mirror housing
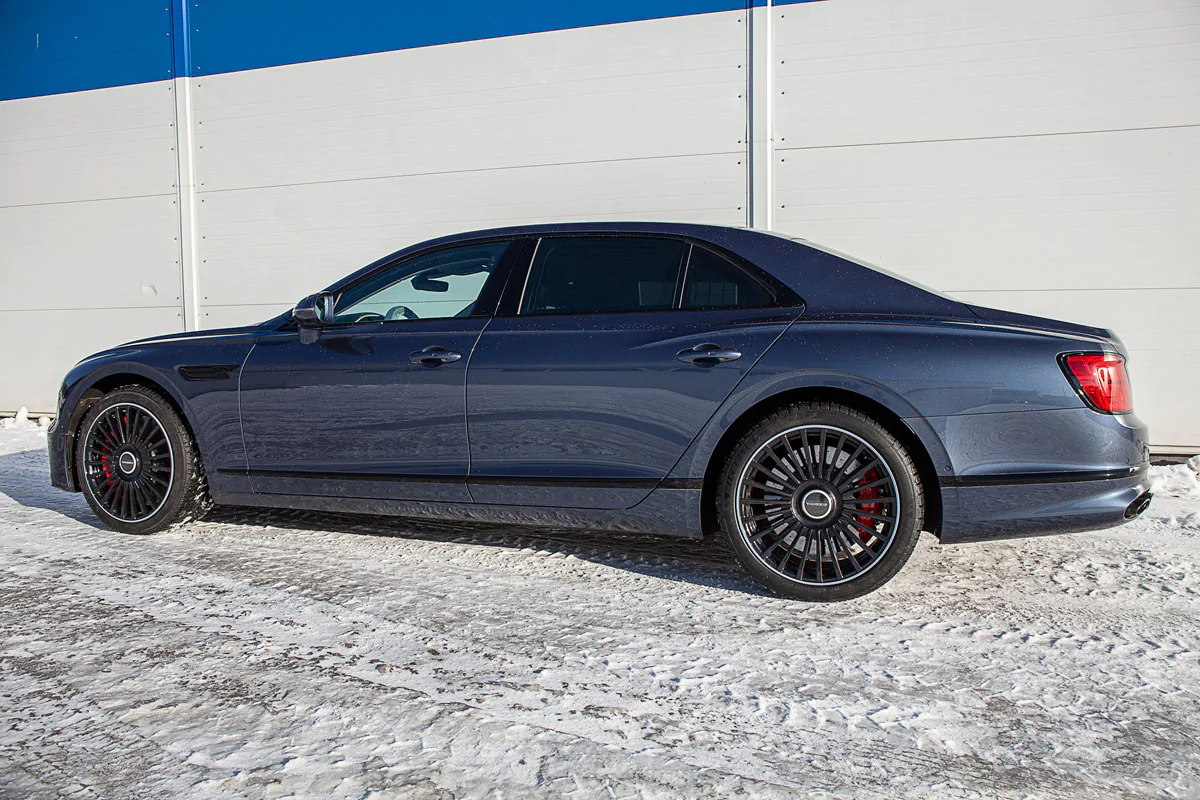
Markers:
(311, 314)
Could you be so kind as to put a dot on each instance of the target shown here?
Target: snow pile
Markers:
(21, 420)
(1178, 480)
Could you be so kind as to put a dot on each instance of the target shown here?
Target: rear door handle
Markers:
(433, 356)
(708, 355)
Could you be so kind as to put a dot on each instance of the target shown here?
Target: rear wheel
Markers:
(819, 502)
(137, 464)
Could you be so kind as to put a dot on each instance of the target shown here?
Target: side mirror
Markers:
(311, 314)
(314, 310)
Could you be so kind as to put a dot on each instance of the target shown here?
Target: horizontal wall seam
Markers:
(89, 200)
(988, 138)
(546, 165)
(169, 306)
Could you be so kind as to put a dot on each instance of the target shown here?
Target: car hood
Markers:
(208, 333)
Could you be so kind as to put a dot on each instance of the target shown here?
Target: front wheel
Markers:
(820, 502)
(137, 464)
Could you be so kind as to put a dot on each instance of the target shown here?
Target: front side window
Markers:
(713, 282)
(437, 285)
(597, 274)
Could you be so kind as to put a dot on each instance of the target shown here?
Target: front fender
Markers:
(198, 374)
(81, 379)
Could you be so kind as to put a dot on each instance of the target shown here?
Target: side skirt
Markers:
(665, 512)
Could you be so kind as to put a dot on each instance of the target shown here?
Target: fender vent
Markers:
(208, 372)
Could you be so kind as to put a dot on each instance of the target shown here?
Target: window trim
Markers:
(490, 293)
(512, 303)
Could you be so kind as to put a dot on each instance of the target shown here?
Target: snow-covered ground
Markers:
(277, 654)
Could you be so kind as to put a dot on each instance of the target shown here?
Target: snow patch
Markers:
(291, 654)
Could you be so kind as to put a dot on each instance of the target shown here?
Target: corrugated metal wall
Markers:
(1040, 156)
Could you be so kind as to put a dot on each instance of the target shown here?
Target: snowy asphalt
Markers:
(278, 654)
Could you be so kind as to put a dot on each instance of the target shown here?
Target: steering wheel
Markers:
(400, 312)
(365, 316)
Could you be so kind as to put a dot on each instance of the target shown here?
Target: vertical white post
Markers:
(761, 116)
(185, 170)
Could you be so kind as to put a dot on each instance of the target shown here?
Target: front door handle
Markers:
(708, 355)
(433, 356)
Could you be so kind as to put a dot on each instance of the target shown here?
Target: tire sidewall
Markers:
(908, 530)
(180, 449)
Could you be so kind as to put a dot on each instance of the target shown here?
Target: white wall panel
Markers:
(1100, 210)
(1161, 329)
(88, 223)
(274, 245)
(1032, 155)
(94, 254)
(655, 88)
(105, 143)
(228, 316)
(42, 345)
(856, 71)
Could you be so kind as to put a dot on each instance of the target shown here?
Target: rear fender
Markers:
(766, 386)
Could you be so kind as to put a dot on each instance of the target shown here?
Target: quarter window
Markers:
(713, 282)
(437, 285)
(581, 275)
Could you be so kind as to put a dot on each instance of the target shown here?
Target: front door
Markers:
(375, 407)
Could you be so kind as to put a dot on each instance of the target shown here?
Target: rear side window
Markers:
(714, 282)
(588, 275)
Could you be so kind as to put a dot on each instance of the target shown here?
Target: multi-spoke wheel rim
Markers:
(128, 462)
(818, 505)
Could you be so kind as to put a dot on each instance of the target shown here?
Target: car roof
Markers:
(826, 281)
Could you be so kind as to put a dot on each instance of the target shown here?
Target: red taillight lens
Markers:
(1101, 380)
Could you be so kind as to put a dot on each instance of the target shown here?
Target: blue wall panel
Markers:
(231, 35)
(56, 46)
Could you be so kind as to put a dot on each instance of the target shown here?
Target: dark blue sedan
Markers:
(662, 378)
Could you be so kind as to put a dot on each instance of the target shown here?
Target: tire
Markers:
(137, 464)
(823, 528)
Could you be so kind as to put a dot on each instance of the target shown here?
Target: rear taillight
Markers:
(1100, 379)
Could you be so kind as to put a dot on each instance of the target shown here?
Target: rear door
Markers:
(606, 359)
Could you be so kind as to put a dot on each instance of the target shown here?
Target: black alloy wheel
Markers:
(136, 462)
(821, 503)
(128, 462)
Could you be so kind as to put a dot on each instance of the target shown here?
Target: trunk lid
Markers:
(1000, 317)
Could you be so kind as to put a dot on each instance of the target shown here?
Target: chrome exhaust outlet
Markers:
(1135, 508)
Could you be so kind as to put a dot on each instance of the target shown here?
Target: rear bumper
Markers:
(1009, 506)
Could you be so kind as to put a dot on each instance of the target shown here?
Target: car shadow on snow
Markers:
(706, 562)
(24, 477)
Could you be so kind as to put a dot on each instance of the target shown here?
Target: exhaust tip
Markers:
(1139, 505)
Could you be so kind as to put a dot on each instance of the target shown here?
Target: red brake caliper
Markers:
(870, 508)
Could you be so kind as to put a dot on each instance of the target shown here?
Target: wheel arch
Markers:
(101, 384)
(895, 424)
